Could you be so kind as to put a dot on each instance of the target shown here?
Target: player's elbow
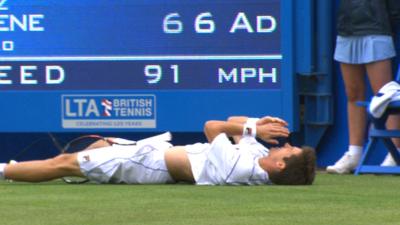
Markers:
(212, 128)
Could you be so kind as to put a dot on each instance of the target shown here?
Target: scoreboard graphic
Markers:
(100, 65)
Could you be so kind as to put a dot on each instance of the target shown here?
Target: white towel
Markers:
(388, 93)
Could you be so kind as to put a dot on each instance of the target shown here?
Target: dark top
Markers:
(367, 17)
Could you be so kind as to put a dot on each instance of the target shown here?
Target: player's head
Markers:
(294, 166)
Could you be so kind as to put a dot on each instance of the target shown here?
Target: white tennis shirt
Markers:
(222, 162)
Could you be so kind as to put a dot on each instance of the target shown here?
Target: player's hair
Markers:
(299, 169)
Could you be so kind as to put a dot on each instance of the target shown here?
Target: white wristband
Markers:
(250, 127)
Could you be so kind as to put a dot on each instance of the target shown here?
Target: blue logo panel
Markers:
(108, 111)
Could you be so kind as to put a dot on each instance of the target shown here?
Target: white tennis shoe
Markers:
(346, 164)
(388, 161)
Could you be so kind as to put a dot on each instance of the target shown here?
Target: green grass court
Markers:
(333, 199)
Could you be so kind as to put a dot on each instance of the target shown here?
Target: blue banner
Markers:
(136, 75)
(116, 28)
(96, 65)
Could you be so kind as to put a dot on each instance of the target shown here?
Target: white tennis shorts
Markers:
(132, 164)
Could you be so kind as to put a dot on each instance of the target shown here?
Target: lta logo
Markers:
(107, 104)
(108, 111)
(2, 5)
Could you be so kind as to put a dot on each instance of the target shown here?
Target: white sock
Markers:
(2, 165)
(355, 150)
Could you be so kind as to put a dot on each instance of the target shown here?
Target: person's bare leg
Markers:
(44, 170)
(354, 81)
(99, 144)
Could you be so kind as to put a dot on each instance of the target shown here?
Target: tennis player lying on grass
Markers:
(218, 162)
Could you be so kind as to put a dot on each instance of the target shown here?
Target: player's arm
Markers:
(271, 119)
(267, 132)
(240, 120)
(213, 128)
(264, 120)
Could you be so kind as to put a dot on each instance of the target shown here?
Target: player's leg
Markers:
(354, 81)
(99, 144)
(380, 73)
(44, 170)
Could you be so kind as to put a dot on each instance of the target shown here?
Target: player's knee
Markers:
(64, 162)
(98, 144)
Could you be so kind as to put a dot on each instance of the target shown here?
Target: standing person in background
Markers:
(364, 45)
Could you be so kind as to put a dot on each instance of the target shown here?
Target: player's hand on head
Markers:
(270, 131)
(270, 119)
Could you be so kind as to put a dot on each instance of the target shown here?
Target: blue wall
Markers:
(25, 146)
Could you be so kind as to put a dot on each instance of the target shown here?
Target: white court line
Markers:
(141, 58)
